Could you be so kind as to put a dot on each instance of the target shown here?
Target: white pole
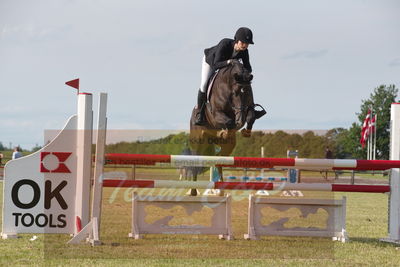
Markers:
(394, 200)
(84, 154)
(376, 125)
(99, 160)
(370, 143)
(369, 134)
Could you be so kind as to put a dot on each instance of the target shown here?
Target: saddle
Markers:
(210, 84)
(208, 108)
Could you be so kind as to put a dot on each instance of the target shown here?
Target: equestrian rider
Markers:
(218, 57)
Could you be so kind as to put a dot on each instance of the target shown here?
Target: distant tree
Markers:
(1, 146)
(37, 147)
(336, 141)
(276, 144)
(294, 142)
(313, 146)
(380, 101)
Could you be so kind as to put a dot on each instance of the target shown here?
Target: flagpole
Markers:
(375, 128)
(364, 132)
(368, 146)
(372, 145)
(369, 136)
(370, 139)
(372, 136)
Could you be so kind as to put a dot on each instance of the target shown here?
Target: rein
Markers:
(245, 84)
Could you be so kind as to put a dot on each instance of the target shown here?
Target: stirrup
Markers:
(259, 113)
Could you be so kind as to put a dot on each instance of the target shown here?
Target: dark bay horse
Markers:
(230, 107)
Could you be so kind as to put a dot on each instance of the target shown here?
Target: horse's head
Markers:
(240, 73)
(241, 92)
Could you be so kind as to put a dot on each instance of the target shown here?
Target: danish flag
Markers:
(365, 129)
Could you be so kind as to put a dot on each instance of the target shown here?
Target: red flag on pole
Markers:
(365, 137)
(372, 124)
(364, 129)
(73, 83)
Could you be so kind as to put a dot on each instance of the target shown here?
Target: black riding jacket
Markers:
(217, 56)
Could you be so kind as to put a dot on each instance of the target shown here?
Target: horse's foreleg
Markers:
(250, 119)
(226, 150)
(222, 121)
(193, 191)
(221, 176)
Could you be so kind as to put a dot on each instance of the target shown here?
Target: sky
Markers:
(313, 61)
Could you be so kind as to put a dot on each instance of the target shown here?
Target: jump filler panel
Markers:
(181, 215)
(297, 217)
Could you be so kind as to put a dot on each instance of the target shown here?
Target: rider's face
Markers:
(241, 46)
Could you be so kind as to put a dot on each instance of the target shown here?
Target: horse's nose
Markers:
(248, 77)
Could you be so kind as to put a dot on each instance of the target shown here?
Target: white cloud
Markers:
(9, 124)
(31, 32)
(395, 62)
(307, 54)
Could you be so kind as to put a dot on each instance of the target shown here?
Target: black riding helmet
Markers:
(245, 35)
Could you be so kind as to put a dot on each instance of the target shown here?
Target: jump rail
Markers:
(251, 162)
(246, 186)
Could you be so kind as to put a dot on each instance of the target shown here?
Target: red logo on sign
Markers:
(60, 156)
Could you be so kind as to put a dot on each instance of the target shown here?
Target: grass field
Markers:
(366, 223)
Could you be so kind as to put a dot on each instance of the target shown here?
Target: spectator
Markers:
(328, 153)
(1, 158)
(17, 153)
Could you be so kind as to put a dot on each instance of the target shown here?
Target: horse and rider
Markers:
(225, 53)
(225, 99)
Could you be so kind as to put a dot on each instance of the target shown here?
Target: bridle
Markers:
(244, 84)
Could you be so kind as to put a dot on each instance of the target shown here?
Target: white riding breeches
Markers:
(206, 72)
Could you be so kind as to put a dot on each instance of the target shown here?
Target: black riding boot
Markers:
(201, 104)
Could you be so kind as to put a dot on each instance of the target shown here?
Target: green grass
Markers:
(366, 223)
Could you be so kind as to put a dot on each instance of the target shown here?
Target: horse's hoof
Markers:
(246, 133)
(223, 134)
(193, 192)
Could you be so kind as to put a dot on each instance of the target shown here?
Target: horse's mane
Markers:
(225, 73)
(230, 67)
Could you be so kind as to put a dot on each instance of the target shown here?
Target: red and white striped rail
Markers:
(247, 185)
(250, 162)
